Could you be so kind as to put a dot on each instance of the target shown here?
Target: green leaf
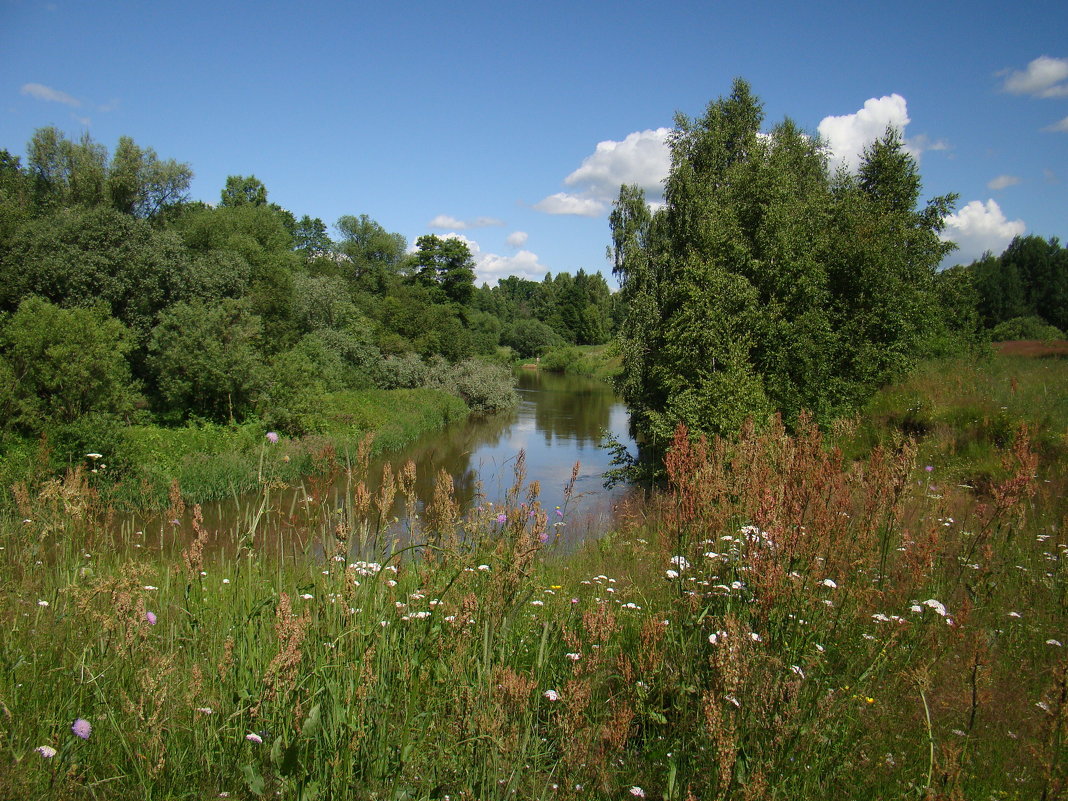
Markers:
(253, 779)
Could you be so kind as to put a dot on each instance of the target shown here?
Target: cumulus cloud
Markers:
(1002, 181)
(1058, 127)
(517, 239)
(641, 158)
(564, 203)
(42, 92)
(847, 135)
(979, 227)
(1044, 77)
(491, 267)
(446, 221)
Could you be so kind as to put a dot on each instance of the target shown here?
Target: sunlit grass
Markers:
(781, 623)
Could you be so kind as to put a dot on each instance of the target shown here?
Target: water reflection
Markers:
(559, 420)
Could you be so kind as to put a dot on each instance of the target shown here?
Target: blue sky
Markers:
(513, 124)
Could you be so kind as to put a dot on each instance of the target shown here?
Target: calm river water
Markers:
(559, 420)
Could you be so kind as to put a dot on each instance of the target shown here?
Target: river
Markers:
(559, 420)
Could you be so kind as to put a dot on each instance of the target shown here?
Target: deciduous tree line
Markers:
(122, 297)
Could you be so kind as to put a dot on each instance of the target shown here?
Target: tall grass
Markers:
(782, 622)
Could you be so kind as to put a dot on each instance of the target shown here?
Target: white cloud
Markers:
(847, 136)
(524, 264)
(517, 239)
(564, 203)
(641, 158)
(980, 227)
(1002, 181)
(491, 267)
(42, 92)
(445, 221)
(1044, 77)
(1058, 127)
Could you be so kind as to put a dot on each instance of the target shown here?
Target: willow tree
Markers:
(764, 283)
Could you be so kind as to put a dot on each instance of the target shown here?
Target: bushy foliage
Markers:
(483, 386)
(62, 364)
(205, 360)
(529, 337)
(765, 283)
(1025, 328)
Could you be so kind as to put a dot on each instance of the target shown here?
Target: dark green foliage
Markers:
(445, 264)
(764, 284)
(1025, 328)
(1030, 279)
(368, 256)
(58, 364)
(241, 190)
(205, 360)
(529, 337)
(82, 256)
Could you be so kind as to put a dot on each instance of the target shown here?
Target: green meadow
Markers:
(874, 612)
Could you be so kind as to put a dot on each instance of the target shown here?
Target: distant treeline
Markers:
(1023, 293)
(122, 298)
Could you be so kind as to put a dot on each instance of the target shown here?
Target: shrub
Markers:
(1025, 328)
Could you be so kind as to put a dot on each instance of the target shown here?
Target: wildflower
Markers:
(1054, 642)
(252, 737)
(95, 456)
(574, 657)
(46, 751)
(680, 562)
(502, 518)
(150, 588)
(42, 603)
(151, 618)
(82, 728)
(483, 567)
(307, 596)
(755, 637)
(226, 581)
(672, 574)
(272, 437)
(637, 792)
(938, 606)
(558, 512)
(537, 602)
(929, 468)
(829, 583)
(796, 669)
(552, 695)
(916, 608)
(205, 710)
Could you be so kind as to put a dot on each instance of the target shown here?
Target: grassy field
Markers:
(786, 620)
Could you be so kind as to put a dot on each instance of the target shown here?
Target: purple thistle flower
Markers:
(929, 468)
(272, 437)
(502, 518)
(151, 617)
(82, 728)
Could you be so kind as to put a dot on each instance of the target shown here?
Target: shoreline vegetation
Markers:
(877, 612)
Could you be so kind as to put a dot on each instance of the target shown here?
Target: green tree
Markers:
(243, 190)
(64, 363)
(447, 264)
(370, 256)
(763, 284)
(206, 361)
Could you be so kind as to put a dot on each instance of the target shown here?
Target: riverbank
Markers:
(137, 465)
(782, 622)
(601, 362)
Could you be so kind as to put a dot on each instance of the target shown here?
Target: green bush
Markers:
(1025, 328)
